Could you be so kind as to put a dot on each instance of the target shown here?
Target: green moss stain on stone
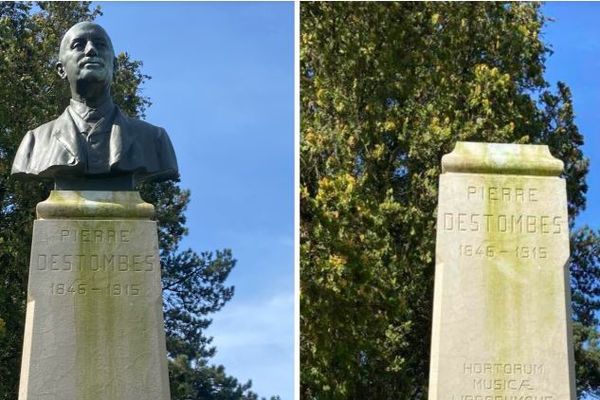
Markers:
(520, 293)
(497, 293)
(106, 318)
(105, 321)
(502, 158)
(94, 205)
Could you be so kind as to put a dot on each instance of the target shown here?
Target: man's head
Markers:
(86, 55)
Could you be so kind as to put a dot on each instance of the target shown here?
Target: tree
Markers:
(386, 90)
(194, 284)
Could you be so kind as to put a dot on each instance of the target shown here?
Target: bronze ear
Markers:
(61, 70)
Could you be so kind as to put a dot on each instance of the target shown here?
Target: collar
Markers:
(90, 114)
(65, 131)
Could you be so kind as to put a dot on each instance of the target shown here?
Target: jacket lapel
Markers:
(120, 138)
(65, 132)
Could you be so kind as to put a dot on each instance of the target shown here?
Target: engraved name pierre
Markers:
(506, 194)
(95, 235)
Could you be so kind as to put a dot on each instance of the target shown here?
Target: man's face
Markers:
(86, 53)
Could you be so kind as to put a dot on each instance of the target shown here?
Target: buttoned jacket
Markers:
(135, 147)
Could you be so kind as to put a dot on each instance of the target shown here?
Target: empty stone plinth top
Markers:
(502, 158)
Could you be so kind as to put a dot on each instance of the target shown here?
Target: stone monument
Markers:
(94, 325)
(501, 319)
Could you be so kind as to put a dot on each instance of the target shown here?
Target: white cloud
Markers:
(255, 340)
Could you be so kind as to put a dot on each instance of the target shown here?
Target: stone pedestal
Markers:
(501, 321)
(94, 327)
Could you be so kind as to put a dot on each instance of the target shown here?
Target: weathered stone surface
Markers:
(67, 204)
(501, 322)
(94, 328)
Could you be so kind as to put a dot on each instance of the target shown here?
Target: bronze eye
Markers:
(78, 44)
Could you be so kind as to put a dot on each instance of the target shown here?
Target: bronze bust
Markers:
(93, 145)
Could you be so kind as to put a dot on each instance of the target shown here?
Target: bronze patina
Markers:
(93, 145)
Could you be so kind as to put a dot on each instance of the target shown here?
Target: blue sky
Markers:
(574, 37)
(223, 87)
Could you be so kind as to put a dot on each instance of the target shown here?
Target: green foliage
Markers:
(31, 93)
(585, 293)
(207, 383)
(386, 89)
